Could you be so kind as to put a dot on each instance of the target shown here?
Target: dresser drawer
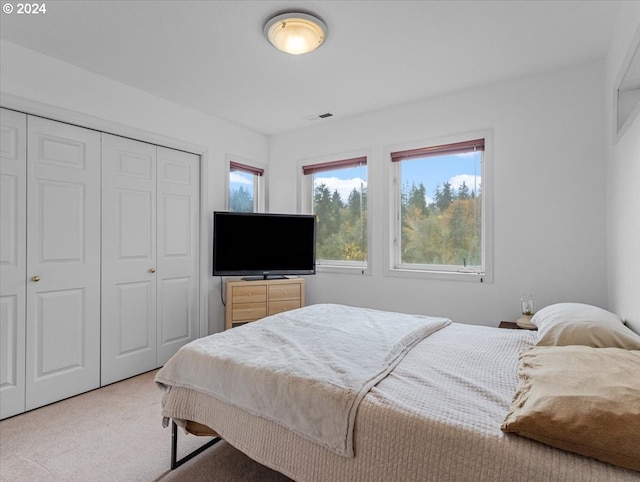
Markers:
(284, 292)
(249, 311)
(276, 307)
(249, 294)
(247, 301)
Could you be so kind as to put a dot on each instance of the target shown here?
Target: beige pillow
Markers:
(580, 324)
(596, 335)
(581, 399)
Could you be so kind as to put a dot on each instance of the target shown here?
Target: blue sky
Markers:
(431, 171)
(435, 171)
(344, 180)
(240, 178)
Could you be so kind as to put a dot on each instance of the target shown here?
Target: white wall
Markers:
(549, 148)
(548, 168)
(61, 87)
(623, 183)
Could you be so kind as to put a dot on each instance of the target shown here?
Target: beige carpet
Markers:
(113, 434)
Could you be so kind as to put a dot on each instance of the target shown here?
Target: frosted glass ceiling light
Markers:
(295, 33)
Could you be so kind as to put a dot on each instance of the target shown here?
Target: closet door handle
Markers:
(152, 270)
(35, 279)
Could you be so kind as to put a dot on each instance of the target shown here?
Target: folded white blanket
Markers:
(306, 369)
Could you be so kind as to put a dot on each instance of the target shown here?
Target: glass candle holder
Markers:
(526, 305)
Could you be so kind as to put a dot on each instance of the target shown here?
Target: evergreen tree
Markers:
(241, 200)
(322, 209)
(463, 192)
(353, 204)
(443, 197)
(417, 198)
(336, 214)
(436, 197)
(446, 197)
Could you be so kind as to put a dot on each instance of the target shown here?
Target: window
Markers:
(628, 89)
(336, 192)
(245, 188)
(440, 219)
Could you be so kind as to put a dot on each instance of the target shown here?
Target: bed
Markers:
(444, 408)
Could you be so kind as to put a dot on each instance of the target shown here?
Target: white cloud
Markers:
(467, 154)
(472, 182)
(343, 186)
(235, 178)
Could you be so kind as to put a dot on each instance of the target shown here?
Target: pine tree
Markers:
(446, 198)
(355, 205)
(241, 200)
(322, 209)
(463, 192)
(417, 198)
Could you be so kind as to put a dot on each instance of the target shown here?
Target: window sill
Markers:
(344, 269)
(440, 275)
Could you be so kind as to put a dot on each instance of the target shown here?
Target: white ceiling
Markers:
(212, 56)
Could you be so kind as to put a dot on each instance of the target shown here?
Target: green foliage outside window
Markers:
(342, 225)
(443, 232)
(446, 231)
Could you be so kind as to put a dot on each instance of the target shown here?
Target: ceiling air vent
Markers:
(319, 116)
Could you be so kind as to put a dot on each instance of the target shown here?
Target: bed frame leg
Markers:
(174, 448)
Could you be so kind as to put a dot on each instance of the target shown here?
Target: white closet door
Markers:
(13, 228)
(128, 258)
(178, 231)
(63, 261)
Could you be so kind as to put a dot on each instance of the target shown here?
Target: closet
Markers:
(149, 255)
(13, 261)
(98, 258)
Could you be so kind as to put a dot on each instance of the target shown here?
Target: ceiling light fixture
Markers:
(295, 33)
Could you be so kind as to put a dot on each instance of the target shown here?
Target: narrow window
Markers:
(628, 89)
(338, 198)
(245, 185)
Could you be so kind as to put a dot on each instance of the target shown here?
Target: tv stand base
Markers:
(264, 277)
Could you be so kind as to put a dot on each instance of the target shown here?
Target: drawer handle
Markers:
(36, 278)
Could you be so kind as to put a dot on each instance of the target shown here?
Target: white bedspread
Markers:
(307, 369)
(435, 418)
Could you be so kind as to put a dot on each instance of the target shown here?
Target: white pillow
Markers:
(573, 312)
(565, 324)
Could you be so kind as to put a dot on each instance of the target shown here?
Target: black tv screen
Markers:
(263, 245)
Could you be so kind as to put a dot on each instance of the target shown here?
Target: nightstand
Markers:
(510, 325)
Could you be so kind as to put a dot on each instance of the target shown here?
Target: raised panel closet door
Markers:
(128, 258)
(178, 232)
(63, 261)
(13, 229)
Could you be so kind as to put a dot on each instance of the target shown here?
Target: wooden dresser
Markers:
(251, 300)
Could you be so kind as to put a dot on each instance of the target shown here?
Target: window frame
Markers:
(393, 267)
(626, 96)
(259, 170)
(305, 206)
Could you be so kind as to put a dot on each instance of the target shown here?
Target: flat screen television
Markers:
(263, 245)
